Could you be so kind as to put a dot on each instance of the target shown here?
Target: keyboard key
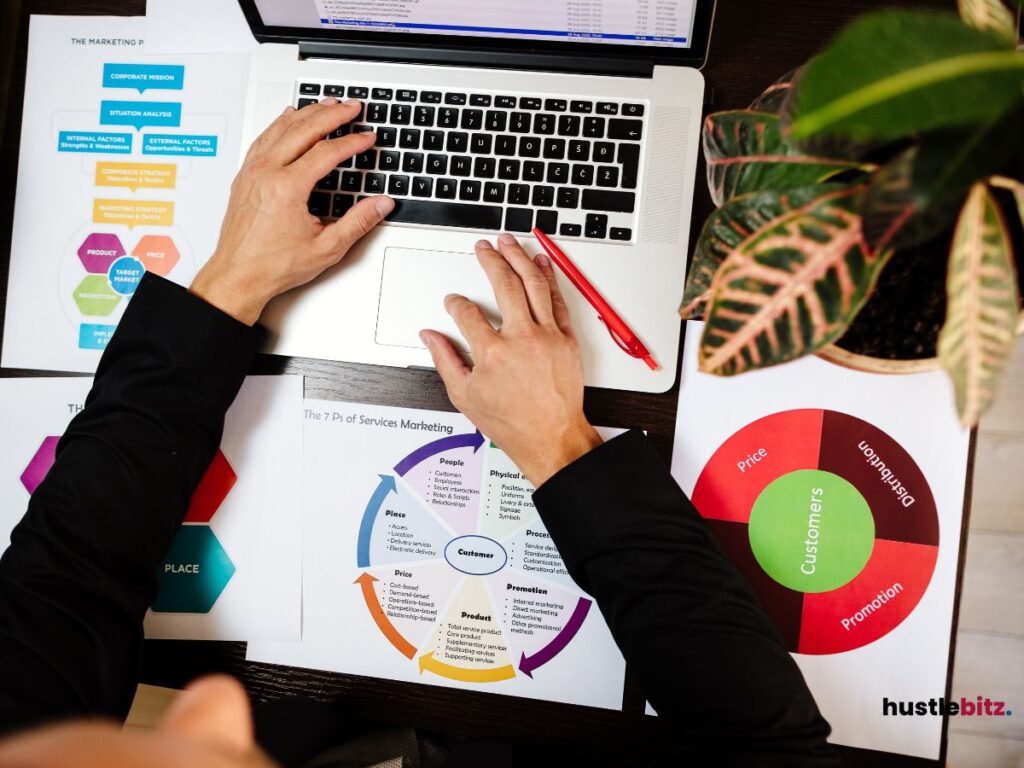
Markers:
(605, 200)
(519, 194)
(604, 152)
(437, 164)
(341, 204)
(570, 230)
(593, 127)
(494, 192)
(544, 124)
(351, 181)
(505, 102)
(466, 215)
(461, 165)
(320, 204)
(389, 161)
(336, 91)
(597, 225)
(608, 176)
(367, 160)
(479, 100)
(554, 149)
(558, 173)
(529, 146)
(579, 150)
(569, 125)
(581, 107)
(618, 233)
(508, 170)
(630, 130)
(483, 167)
(430, 97)
(358, 92)
(409, 138)
(607, 108)
(496, 121)
(533, 170)
(568, 197)
(469, 190)
(401, 114)
(422, 186)
(518, 220)
(346, 163)
(384, 94)
(330, 181)
(398, 185)
(481, 143)
(341, 130)
(547, 222)
(433, 140)
(448, 118)
(458, 142)
(631, 110)
(472, 119)
(362, 129)
(447, 189)
(520, 122)
(543, 196)
(629, 159)
(375, 183)
(404, 94)
(310, 89)
(412, 162)
(387, 137)
(583, 175)
(423, 117)
(529, 102)
(505, 145)
(455, 98)
(555, 105)
(303, 103)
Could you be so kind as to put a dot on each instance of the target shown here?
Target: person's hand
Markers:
(269, 242)
(525, 389)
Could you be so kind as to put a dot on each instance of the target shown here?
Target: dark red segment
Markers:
(768, 449)
(212, 490)
(783, 605)
(873, 462)
(905, 569)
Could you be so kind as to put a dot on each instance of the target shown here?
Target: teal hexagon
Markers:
(194, 573)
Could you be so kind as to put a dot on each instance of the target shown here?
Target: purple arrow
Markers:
(469, 440)
(529, 663)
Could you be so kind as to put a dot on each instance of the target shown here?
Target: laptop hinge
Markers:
(611, 65)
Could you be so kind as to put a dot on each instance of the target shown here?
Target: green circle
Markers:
(811, 530)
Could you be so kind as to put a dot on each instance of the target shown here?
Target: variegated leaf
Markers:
(791, 289)
(1014, 186)
(775, 94)
(745, 152)
(728, 227)
(977, 339)
(990, 16)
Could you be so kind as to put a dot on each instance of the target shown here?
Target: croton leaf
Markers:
(1016, 187)
(791, 289)
(729, 227)
(745, 152)
(775, 94)
(991, 16)
(977, 339)
(935, 72)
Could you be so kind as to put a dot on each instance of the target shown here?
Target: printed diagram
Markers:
(456, 569)
(831, 521)
(197, 569)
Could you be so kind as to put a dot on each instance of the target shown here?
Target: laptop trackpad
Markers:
(413, 287)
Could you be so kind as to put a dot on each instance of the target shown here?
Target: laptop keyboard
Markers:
(490, 161)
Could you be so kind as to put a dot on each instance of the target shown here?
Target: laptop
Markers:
(579, 117)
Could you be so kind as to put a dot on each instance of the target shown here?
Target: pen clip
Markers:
(620, 342)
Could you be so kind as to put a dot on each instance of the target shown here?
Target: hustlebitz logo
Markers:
(979, 706)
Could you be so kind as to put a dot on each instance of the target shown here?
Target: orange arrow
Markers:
(383, 622)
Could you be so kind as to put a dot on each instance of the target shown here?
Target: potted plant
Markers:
(870, 205)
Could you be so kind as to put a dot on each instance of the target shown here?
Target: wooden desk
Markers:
(752, 44)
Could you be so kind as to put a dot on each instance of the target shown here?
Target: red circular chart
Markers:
(834, 583)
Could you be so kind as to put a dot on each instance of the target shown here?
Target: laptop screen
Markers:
(654, 23)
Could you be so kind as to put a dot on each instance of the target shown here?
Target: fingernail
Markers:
(425, 338)
(384, 205)
(329, 100)
(541, 260)
(506, 239)
(484, 244)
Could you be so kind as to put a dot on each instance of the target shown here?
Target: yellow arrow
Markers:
(492, 675)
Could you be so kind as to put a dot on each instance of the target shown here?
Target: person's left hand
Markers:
(269, 242)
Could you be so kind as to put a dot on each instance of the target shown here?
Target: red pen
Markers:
(621, 333)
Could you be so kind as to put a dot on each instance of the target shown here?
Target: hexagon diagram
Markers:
(215, 486)
(99, 251)
(40, 464)
(94, 296)
(158, 254)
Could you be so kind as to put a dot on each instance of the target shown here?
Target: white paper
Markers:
(197, 26)
(411, 514)
(257, 524)
(63, 306)
(908, 661)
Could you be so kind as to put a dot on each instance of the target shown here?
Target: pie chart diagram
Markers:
(830, 520)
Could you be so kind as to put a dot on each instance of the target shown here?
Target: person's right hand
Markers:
(525, 390)
(269, 242)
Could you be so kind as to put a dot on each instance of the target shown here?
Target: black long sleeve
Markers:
(80, 572)
(708, 658)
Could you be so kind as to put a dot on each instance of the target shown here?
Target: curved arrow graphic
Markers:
(493, 675)
(529, 663)
(469, 440)
(387, 485)
(404, 647)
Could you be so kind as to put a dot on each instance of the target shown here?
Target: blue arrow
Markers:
(469, 440)
(387, 485)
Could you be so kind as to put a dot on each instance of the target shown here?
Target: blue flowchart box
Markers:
(140, 114)
(95, 143)
(144, 77)
(179, 145)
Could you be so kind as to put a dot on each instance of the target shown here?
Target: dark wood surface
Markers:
(752, 44)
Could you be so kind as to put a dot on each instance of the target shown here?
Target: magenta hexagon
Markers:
(40, 464)
(99, 251)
